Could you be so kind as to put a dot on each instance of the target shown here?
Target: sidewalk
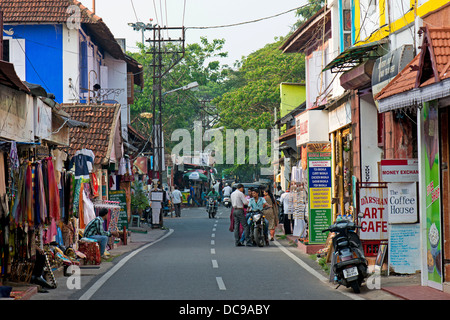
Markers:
(140, 237)
(398, 287)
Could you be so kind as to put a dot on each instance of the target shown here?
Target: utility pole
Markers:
(158, 49)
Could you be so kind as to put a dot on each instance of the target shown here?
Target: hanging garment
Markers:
(53, 192)
(14, 158)
(76, 196)
(82, 223)
(29, 196)
(41, 194)
(36, 198)
(81, 165)
(17, 209)
(88, 153)
(88, 209)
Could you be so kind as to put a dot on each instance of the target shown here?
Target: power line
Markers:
(134, 10)
(251, 21)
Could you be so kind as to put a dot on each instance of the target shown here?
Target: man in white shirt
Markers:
(176, 199)
(227, 190)
(238, 201)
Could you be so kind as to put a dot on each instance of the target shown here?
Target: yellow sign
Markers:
(320, 198)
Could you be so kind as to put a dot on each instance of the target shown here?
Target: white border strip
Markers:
(311, 270)
(93, 289)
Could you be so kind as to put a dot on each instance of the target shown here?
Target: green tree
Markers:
(306, 12)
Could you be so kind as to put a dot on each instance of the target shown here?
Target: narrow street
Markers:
(197, 260)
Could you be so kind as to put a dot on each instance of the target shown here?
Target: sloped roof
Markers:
(98, 137)
(56, 11)
(431, 65)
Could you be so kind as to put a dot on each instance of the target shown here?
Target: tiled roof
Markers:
(23, 11)
(438, 42)
(98, 137)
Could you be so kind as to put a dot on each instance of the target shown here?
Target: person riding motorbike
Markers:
(215, 195)
(257, 203)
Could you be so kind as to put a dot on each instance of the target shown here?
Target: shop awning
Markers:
(353, 56)
(425, 78)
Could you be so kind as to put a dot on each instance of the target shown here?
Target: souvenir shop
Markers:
(45, 205)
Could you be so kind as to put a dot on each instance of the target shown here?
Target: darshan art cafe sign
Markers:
(373, 219)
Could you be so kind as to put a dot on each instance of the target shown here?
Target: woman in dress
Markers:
(271, 213)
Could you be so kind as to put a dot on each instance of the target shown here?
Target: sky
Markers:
(239, 40)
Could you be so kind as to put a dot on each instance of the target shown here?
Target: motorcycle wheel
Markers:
(259, 237)
(355, 286)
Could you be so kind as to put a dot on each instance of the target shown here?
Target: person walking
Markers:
(176, 196)
(238, 201)
(192, 196)
(271, 213)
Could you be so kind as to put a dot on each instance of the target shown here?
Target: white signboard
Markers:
(311, 126)
(404, 248)
(373, 218)
(400, 170)
(402, 203)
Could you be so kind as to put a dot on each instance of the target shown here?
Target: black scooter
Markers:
(350, 264)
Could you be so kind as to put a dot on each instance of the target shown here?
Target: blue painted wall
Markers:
(44, 55)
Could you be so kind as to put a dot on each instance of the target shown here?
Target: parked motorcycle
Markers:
(257, 226)
(212, 208)
(227, 202)
(350, 264)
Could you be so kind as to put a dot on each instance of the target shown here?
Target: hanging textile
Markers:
(53, 193)
(29, 195)
(88, 209)
(17, 210)
(41, 194)
(82, 223)
(14, 158)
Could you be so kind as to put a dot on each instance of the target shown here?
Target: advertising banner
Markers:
(319, 179)
(430, 166)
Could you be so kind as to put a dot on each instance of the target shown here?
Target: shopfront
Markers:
(425, 86)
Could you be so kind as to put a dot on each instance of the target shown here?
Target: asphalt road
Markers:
(198, 260)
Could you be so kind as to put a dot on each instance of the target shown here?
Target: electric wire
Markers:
(250, 21)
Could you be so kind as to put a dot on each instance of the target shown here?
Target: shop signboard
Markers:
(388, 66)
(309, 127)
(121, 197)
(402, 203)
(373, 218)
(319, 180)
(400, 170)
(404, 248)
(430, 166)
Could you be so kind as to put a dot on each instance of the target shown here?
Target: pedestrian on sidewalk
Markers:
(238, 201)
(94, 230)
(176, 196)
